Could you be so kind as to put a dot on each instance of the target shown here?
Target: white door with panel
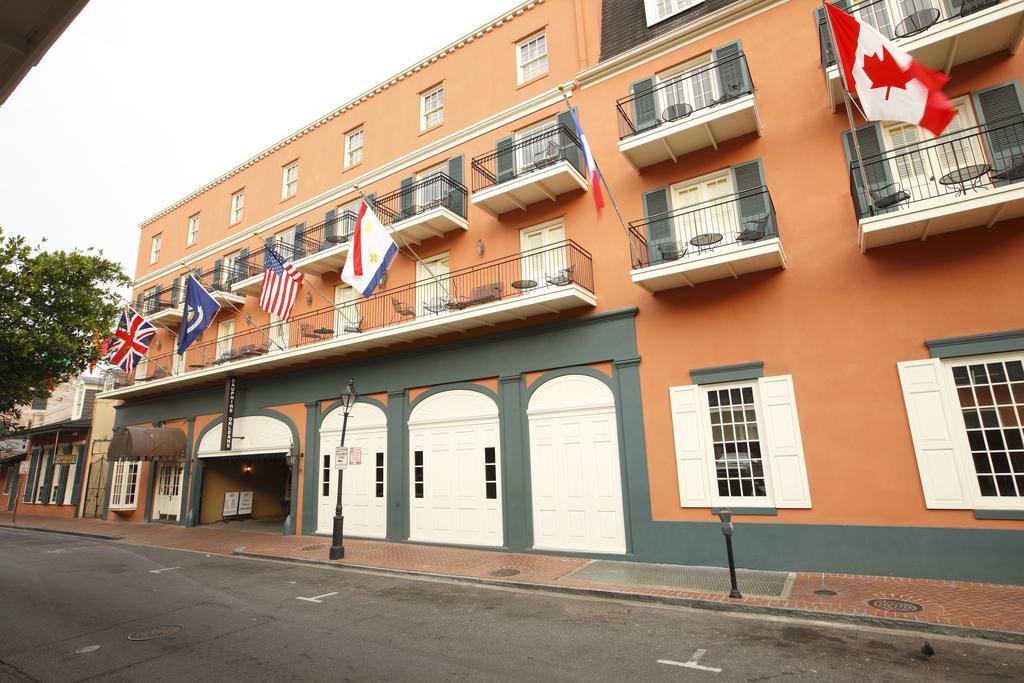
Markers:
(433, 285)
(542, 258)
(167, 496)
(364, 494)
(575, 470)
(455, 465)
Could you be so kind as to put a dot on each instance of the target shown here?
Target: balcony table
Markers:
(920, 20)
(706, 241)
(523, 285)
(965, 178)
(323, 330)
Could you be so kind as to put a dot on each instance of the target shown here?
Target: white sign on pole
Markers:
(23, 467)
(341, 458)
(245, 503)
(355, 455)
(231, 503)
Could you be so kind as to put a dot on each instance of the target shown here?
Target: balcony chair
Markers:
(1009, 168)
(480, 295)
(674, 112)
(438, 304)
(402, 310)
(307, 332)
(547, 156)
(354, 327)
(754, 229)
(888, 196)
(968, 7)
(225, 357)
(562, 278)
(671, 252)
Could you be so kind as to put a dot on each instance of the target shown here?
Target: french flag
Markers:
(593, 174)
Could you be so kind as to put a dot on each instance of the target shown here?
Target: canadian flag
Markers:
(890, 84)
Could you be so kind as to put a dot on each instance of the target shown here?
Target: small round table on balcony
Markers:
(965, 178)
(523, 285)
(706, 241)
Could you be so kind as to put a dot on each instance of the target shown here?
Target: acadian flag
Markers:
(371, 253)
(593, 174)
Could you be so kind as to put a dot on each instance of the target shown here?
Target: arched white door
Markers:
(574, 467)
(364, 497)
(455, 470)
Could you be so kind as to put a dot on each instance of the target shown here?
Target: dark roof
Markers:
(624, 23)
(82, 424)
(30, 28)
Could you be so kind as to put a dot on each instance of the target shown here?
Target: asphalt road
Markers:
(247, 620)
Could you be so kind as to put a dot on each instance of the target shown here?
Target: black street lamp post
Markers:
(348, 399)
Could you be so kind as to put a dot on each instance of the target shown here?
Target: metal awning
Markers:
(240, 455)
(139, 443)
(11, 458)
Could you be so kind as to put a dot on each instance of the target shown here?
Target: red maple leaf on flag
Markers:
(885, 72)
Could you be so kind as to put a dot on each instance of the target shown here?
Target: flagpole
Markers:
(611, 197)
(848, 105)
(407, 246)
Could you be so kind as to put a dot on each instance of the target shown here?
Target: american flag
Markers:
(130, 341)
(281, 284)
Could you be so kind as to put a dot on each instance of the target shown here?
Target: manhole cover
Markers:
(155, 632)
(890, 605)
(87, 649)
(505, 572)
(825, 591)
(318, 546)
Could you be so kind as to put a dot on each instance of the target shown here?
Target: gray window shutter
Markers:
(1001, 113)
(241, 265)
(964, 8)
(76, 487)
(875, 166)
(571, 150)
(751, 196)
(506, 160)
(371, 199)
(175, 291)
(659, 231)
(33, 472)
(48, 478)
(645, 105)
(733, 79)
(330, 226)
(455, 198)
(198, 272)
(299, 241)
(218, 267)
(406, 198)
(62, 484)
(138, 302)
(154, 305)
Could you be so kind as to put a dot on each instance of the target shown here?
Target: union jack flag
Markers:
(281, 282)
(130, 341)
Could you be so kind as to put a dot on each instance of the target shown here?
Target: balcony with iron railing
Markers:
(940, 34)
(164, 306)
(952, 182)
(538, 167)
(533, 283)
(712, 240)
(688, 111)
(429, 207)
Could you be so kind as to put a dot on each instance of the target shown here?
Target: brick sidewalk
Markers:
(945, 603)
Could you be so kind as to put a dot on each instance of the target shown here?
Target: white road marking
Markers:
(161, 571)
(317, 598)
(692, 663)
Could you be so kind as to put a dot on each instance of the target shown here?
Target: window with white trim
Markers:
(966, 419)
(353, 147)
(542, 145)
(290, 180)
(532, 57)
(432, 107)
(79, 404)
(658, 10)
(225, 333)
(738, 444)
(124, 485)
(154, 247)
(237, 206)
(193, 230)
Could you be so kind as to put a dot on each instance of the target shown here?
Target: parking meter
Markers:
(725, 515)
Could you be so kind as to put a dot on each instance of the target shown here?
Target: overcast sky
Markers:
(140, 102)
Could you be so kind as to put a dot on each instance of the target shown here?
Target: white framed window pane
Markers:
(533, 58)
(433, 108)
(154, 251)
(736, 443)
(354, 147)
(237, 206)
(193, 230)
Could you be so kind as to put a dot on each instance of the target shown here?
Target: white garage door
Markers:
(454, 460)
(574, 466)
(365, 492)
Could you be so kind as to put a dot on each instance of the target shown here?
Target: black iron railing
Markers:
(682, 96)
(522, 157)
(704, 229)
(162, 300)
(438, 190)
(221, 277)
(522, 275)
(897, 19)
(954, 165)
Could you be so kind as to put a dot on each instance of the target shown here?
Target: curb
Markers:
(1011, 637)
(44, 530)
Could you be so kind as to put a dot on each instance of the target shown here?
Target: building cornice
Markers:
(338, 192)
(470, 37)
(673, 40)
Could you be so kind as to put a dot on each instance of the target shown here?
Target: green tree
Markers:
(52, 305)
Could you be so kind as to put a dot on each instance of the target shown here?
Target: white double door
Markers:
(167, 496)
(364, 490)
(704, 207)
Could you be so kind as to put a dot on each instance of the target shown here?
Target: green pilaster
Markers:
(65, 472)
(397, 467)
(515, 464)
(635, 486)
(190, 430)
(48, 474)
(311, 467)
(76, 487)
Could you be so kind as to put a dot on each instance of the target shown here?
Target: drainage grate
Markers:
(825, 591)
(318, 546)
(890, 605)
(679, 577)
(155, 632)
(505, 571)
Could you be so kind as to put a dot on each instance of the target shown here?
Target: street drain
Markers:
(318, 546)
(890, 605)
(825, 591)
(505, 572)
(155, 632)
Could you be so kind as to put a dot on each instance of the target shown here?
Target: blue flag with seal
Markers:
(198, 314)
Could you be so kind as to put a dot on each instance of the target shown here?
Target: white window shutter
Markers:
(691, 458)
(932, 428)
(784, 443)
